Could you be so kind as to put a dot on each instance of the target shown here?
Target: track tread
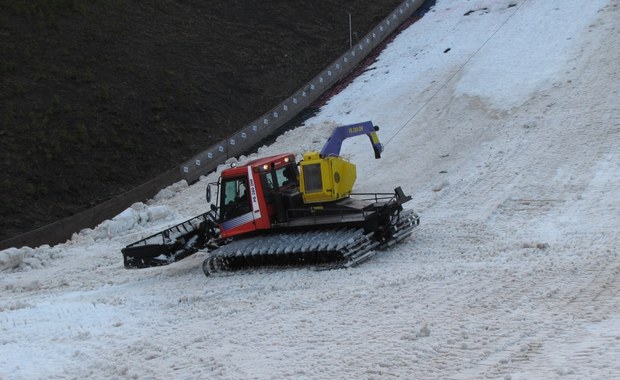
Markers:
(323, 248)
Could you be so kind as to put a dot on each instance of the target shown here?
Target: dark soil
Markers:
(99, 96)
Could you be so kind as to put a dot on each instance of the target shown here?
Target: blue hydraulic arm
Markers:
(339, 134)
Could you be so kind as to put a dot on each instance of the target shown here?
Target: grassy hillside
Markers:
(98, 96)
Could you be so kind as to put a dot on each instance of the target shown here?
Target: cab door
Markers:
(236, 214)
(242, 201)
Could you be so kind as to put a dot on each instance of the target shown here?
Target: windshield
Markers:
(287, 176)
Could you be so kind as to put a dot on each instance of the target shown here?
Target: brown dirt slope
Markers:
(99, 96)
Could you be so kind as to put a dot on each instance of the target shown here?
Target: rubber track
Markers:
(324, 249)
(402, 228)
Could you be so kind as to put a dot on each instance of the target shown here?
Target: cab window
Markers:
(268, 187)
(287, 176)
(235, 198)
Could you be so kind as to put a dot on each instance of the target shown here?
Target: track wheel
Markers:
(395, 217)
(214, 264)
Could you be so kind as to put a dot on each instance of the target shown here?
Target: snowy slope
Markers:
(509, 143)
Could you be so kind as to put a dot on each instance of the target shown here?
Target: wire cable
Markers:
(454, 74)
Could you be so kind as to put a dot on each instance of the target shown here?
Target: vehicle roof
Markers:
(238, 170)
(266, 160)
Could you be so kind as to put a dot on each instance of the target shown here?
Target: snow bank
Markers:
(11, 258)
(137, 215)
(170, 191)
(26, 258)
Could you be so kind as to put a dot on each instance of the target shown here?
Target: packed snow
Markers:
(500, 117)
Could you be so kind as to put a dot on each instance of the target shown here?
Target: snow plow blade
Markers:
(170, 245)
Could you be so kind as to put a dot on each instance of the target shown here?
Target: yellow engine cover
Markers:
(324, 179)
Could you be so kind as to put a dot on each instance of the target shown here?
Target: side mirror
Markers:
(209, 194)
(213, 207)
